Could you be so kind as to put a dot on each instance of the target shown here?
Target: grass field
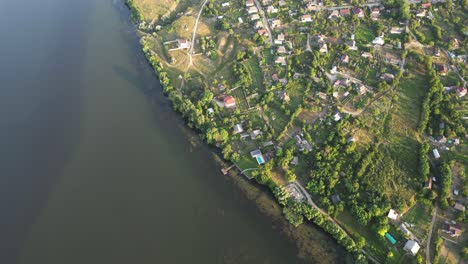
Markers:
(420, 216)
(241, 101)
(255, 72)
(154, 9)
(364, 35)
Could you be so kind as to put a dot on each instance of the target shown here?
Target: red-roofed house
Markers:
(426, 5)
(262, 32)
(461, 91)
(306, 18)
(229, 101)
(344, 12)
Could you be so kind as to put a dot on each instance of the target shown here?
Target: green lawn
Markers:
(364, 35)
(420, 216)
(255, 71)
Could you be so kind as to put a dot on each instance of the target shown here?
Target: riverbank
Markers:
(299, 234)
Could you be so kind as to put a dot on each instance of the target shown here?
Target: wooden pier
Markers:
(226, 170)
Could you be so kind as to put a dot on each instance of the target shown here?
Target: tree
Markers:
(290, 176)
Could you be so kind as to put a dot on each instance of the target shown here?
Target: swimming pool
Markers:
(260, 160)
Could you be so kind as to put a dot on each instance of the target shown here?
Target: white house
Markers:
(412, 247)
(436, 153)
(379, 41)
(392, 214)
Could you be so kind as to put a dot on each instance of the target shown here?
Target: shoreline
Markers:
(319, 222)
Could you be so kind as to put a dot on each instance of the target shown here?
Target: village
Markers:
(356, 109)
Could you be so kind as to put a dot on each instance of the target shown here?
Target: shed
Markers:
(392, 214)
(436, 153)
(412, 247)
(335, 199)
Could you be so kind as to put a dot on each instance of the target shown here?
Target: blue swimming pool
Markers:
(260, 160)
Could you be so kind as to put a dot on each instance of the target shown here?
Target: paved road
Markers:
(265, 21)
(428, 243)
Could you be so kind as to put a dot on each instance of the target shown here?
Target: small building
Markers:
(249, 3)
(275, 23)
(280, 39)
(258, 156)
(421, 13)
(428, 184)
(229, 101)
(337, 117)
(183, 43)
(282, 50)
(392, 214)
(210, 111)
(460, 207)
(344, 12)
(345, 59)
(252, 10)
(280, 60)
(306, 18)
(379, 41)
(254, 134)
(396, 30)
(335, 198)
(262, 32)
(359, 12)
(442, 69)
(238, 129)
(436, 154)
(283, 96)
(334, 13)
(255, 17)
(453, 230)
(272, 10)
(404, 229)
(295, 161)
(412, 247)
(426, 5)
(455, 44)
(375, 13)
(461, 91)
(323, 48)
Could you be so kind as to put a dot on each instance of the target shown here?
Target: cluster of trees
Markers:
(424, 167)
(244, 78)
(446, 183)
(136, 14)
(208, 46)
(296, 213)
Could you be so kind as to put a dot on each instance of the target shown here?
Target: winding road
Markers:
(194, 34)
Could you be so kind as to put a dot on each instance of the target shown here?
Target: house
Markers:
(392, 214)
(275, 23)
(335, 198)
(362, 89)
(283, 96)
(459, 207)
(421, 13)
(210, 111)
(282, 50)
(280, 60)
(272, 10)
(359, 12)
(334, 13)
(375, 13)
(412, 247)
(275, 77)
(387, 77)
(426, 5)
(280, 39)
(442, 69)
(323, 48)
(262, 32)
(396, 30)
(254, 134)
(258, 24)
(306, 18)
(436, 154)
(337, 117)
(249, 3)
(183, 43)
(455, 44)
(229, 101)
(240, 20)
(345, 59)
(344, 12)
(428, 184)
(453, 230)
(238, 128)
(404, 229)
(436, 52)
(461, 91)
(252, 10)
(295, 161)
(255, 17)
(258, 156)
(379, 40)
(351, 45)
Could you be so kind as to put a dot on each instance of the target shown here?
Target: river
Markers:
(95, 168)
